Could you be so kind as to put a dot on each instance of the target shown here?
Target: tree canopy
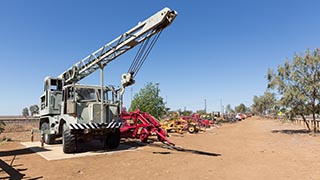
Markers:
(264, 104)
(149, 100)
(229, 109)
(25, 112)
(201, 112)
(34, 109)
(186, 113)
(241, 108)
(299, 84)
(2, 125)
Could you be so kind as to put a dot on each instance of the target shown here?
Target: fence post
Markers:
(31, 135)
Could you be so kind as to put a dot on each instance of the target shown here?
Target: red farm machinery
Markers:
(142, 125)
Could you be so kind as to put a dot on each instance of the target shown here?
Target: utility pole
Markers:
(221, 106)
(205, 105)
(157, 84)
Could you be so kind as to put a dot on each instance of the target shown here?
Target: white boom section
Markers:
(100, 58)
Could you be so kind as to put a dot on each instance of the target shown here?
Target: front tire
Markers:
(68, 140)
(191, 129)
(113, 139)
(45, 136)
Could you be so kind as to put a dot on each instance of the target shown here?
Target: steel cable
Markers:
(142, 54)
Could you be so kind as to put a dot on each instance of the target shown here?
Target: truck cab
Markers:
(79, 110)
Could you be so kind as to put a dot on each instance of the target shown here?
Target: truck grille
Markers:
(96, 125)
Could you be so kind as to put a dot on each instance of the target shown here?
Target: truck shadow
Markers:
(99, 146)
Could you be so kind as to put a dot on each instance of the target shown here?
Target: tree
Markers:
(201, 112)
(25, 112)
(264, 104)
(2, 125)
(241, 108)
(299, 83)
(229, 109)
(34, 109)
(258, 105)
(148, 100)
(186, 113)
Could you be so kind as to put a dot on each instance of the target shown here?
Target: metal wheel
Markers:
(45, 136)
(191, 128)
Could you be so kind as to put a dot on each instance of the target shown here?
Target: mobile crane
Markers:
(71, 110)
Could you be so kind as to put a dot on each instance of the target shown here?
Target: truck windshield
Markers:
(86, 94)
(106, 97)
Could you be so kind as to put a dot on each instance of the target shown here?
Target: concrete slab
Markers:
(54, 152)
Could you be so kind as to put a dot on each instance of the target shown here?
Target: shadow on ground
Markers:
(8, 171)
(292, 131)
(99, 146)
(21, 151)
(179, 149)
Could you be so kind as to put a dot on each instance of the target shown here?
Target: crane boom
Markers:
(72, 110)
(101, 57)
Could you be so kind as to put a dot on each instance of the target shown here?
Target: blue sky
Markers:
(215, 50)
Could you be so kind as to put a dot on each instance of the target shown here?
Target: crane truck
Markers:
(71, 110)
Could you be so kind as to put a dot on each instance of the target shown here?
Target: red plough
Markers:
(141, 125)
(205, 123)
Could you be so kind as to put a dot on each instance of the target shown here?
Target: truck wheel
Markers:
(113, 139)
(68, 140)
(46, 137)
(191, 128)
(197, 128)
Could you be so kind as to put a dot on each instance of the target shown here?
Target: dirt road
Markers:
(252, 149)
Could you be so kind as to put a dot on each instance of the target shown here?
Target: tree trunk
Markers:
(314, 122)
(306, 122)
(314, 112)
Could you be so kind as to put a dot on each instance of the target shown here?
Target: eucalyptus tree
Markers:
(34, 109)
(2, 125)
(149, 100)
(299, 83)
(229, 109)
(25, 112)
(264, 103)
(241, 108)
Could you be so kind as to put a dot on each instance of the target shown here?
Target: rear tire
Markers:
(47, 138)
(113, 139)
(197, 128)
(191, 129)
(68, 140)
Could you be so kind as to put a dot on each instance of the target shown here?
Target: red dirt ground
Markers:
(251, 149)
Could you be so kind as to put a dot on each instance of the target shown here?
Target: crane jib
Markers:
(101, 57)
